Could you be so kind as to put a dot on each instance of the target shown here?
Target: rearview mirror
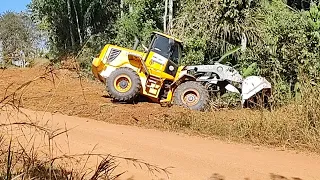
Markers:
(145, 48)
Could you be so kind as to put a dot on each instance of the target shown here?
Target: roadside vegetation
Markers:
(281, 40)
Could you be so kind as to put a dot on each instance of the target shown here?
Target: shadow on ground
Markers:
(272, 177)
(139, 99)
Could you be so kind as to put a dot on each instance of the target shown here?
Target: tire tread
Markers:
(136, 85)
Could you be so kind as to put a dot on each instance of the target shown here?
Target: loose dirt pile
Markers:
(71, 95)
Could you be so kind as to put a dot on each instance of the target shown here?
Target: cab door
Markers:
(161, 58)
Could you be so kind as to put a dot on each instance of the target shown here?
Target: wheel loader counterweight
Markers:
(156, 74)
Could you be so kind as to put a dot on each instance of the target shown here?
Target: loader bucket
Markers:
(256, 91)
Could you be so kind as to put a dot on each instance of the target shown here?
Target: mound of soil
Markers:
(66, 93)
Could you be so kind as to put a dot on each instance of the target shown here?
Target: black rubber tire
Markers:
(203, 101)
(132, 93)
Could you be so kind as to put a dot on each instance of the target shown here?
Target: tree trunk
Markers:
(70, 24)
(121, 7)
(170, 14)
(165, 16)
(81, 7)
(77, 19)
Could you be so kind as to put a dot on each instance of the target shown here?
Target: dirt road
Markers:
(192, 157)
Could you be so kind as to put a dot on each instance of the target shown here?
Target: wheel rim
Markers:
(122, 83)
(190, 97)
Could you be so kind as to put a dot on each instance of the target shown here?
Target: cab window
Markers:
(176, 53)
(161, 46)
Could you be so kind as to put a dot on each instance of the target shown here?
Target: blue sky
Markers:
(13, 5)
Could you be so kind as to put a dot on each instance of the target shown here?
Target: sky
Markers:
(13, 5)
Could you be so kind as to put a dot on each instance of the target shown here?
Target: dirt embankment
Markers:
(70, 95)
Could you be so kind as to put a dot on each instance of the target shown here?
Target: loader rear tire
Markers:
(192, 95)
(124, 85)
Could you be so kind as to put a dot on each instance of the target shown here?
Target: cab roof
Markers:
(168, 36)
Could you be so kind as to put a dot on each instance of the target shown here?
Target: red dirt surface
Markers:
(187, 158)
(71, 95)
(193, 157)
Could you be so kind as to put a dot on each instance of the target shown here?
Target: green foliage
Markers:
(288, 49)
(251, 70)
(232, 51)
(312, 67)
(283, 45)
(194, 51)
(70, 22)
(143, 17)
(300, 4)
(139, 19)
(211, 28)
(91, 49)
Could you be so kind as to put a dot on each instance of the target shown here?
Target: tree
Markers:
(165, 15)
(170, 13)
(145, 17)
(15, 34)
(211, 28)
(70, 22)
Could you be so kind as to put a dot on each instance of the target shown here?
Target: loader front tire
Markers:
(123, 85)
(192, 95)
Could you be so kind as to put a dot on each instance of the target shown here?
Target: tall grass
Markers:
(296, 125)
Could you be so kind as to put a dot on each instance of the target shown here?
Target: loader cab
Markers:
(164, 54)
(166, 46)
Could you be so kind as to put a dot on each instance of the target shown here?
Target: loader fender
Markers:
(107, 72)
(252, 85)
(96, 62)
(134, 62)
(182, 79)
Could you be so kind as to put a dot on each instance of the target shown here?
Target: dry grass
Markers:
(28, 149)
(294, 126)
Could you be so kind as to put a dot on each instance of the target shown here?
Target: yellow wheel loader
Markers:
(156, 74)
